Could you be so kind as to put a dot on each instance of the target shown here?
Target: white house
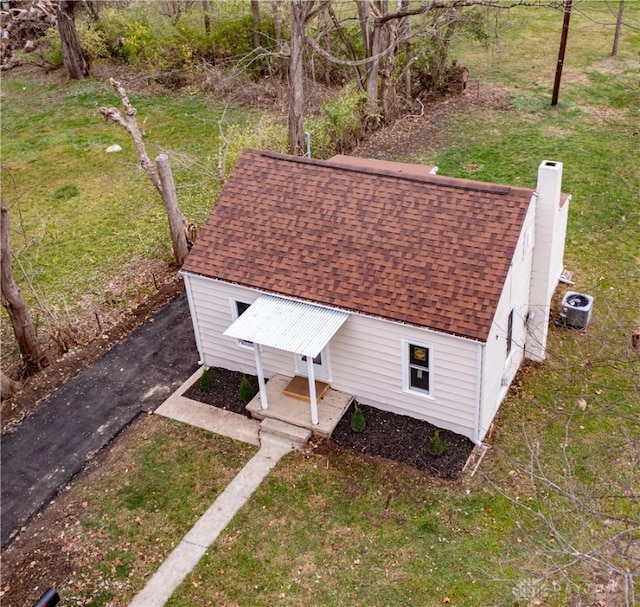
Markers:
(417, 293)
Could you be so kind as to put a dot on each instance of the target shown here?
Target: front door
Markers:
(321, 368)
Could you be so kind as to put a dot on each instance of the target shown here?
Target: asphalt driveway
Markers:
(52, 445)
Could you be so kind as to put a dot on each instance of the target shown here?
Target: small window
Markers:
(238, 308)
(509, 333)
(316, 361)
(241, 308)
(418, 371)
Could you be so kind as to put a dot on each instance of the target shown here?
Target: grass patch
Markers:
(333, 529)
(65, 192)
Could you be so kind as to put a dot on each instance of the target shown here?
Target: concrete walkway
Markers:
(213, 419)
(195, 544)
(275, 440)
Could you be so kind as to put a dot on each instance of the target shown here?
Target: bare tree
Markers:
(32, 356)
(616, 35)
(206, 9)
(75, 61)
(582, 518)
(302, 11)
(277, 22)
(182, 232)
(387, 27)
(255, 18)
(281, 63)
(574, 479)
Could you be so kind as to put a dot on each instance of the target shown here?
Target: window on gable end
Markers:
(238, 308)
(509, 333)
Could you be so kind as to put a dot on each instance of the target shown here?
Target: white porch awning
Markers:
(288, 325)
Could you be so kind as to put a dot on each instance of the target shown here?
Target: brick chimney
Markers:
(548, 251)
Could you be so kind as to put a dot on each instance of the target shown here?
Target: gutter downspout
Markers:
(478, 393)
(192, 311)
(307, 140)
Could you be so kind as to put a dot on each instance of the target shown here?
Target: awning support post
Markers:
(263, 388)
(312, 391)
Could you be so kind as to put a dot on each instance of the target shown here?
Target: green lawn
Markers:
(80, 216)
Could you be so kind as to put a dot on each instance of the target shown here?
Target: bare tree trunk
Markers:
(326, 67)
(300, 10)
(616, 35)
(255, 18)
(405, 29)
(182, 232)
(389, 38)
(14, 303)
(176, 218)
(277, 31)
(363, 16)
(440, 41)
(206, 9)
(92, 7)
(373, 107)
(348, 46)
(173, 9)
(75, 61)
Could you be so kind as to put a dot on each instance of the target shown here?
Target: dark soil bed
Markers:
(404, 439)
(225, 393)
(397, 437)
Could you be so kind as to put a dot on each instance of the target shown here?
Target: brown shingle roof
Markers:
(426, 250)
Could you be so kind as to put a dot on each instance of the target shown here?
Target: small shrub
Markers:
(142, 36)
(358, 422)
(246, 391)
(207, 381)
(341, 126)
(436, 446)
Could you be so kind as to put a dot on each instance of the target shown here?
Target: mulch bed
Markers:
(404, 439)
(225, 393)
(397, 437)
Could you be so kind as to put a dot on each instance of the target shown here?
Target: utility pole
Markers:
(563, 48)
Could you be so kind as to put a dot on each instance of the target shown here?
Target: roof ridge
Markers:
(440, 180)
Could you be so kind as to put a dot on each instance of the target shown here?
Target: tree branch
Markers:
(129, 123)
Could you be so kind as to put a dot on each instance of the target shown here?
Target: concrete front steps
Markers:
(296, 435)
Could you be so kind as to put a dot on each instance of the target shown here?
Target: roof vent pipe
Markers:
(307, 141)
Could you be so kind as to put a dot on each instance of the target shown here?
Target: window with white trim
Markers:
(238, 308)
(418, 368)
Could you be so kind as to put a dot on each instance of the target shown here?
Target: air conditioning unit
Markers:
(575, 310)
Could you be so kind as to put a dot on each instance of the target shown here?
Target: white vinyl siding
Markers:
(366, 359)
(499, 369)
(213, 312)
